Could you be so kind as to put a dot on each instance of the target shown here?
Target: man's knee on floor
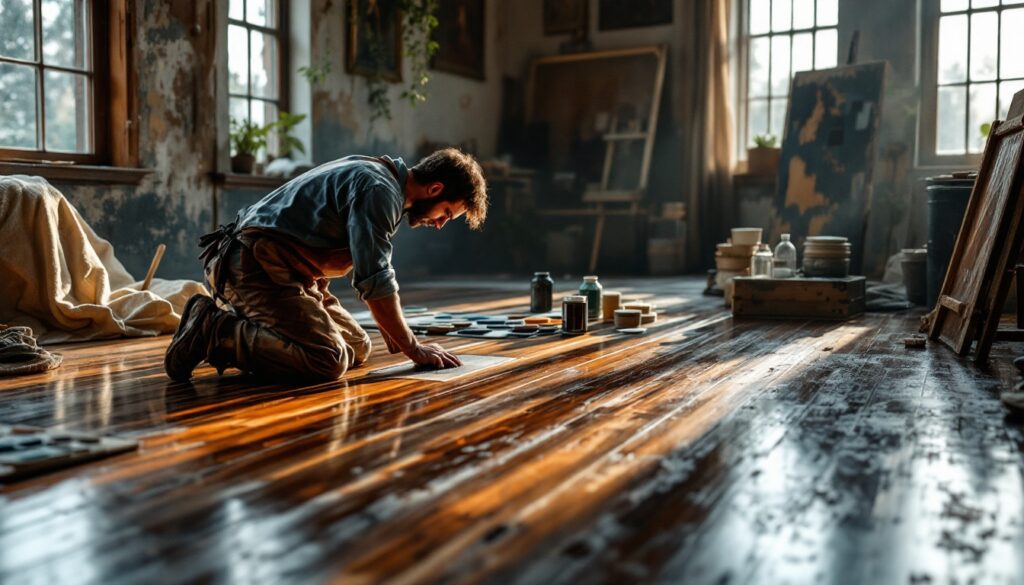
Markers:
(328, 363)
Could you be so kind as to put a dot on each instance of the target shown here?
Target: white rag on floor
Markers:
(62, 280)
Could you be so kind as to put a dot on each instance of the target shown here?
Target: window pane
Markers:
(65, 36)
(260, 12)
(826, 48)
(984, 45)
(953, 49)
(760, 52)
(954, 5)
(952, 116)
(983, 111)
(17, 30)
(780, 65)
(239, 109)
(803, 52)
(782, 15)
(263, 65)
(1007, 2)
(778, 117)
(760, 17)
(984, 3)
(1012, 64)
(67, 112)
(757, 120)
(259, 112)
(238, 71)
(828, 12)
(803, 13)
(236, 9)
(17, 106)
(1006, 91)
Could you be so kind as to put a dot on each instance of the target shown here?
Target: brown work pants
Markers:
(285, 323)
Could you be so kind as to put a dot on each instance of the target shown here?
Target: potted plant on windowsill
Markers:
(247, 139)
(763, 159)
(288, 144)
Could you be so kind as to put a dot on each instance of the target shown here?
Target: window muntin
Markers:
(256, 87)
(782, 37)
(977, 70)
(48, 79)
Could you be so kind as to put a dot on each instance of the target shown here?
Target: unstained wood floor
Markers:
(706, 451)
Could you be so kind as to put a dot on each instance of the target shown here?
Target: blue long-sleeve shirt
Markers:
(354, 203)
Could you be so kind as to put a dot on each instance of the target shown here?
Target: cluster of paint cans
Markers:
(628, 318)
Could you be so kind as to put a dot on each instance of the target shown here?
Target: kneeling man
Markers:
(271, 267)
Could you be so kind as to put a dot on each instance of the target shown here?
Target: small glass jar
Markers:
(592, 290)
(541, 290)
(761, 264)
(785, 259)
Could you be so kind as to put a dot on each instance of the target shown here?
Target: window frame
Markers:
(927, 138)
(280, 32)
(742, 80)
(100, 47)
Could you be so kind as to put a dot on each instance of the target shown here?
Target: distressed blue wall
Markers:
(177, 140)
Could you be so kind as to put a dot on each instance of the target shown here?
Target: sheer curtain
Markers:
(706, 126)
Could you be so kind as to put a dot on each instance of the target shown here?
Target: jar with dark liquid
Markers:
(541, 289)
(574, 315)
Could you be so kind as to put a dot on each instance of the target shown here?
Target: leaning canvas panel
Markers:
(828, 153)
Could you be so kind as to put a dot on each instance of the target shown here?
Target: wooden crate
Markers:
(798, 298)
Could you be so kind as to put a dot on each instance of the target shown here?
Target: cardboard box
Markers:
(799, 298)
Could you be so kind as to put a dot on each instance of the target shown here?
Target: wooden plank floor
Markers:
(706, 451)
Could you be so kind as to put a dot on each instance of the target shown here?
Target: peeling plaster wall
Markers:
(177, 139)
(459, 111)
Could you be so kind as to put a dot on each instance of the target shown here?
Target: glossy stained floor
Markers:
(706, 451)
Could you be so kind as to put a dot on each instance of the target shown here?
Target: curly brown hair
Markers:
(463, 180)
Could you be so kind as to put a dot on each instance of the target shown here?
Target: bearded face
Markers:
(420, 212)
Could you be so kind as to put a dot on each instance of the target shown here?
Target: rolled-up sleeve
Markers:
(372, 221)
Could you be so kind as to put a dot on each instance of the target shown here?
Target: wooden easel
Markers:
(605, 194)
(989, 245)
(601, 201)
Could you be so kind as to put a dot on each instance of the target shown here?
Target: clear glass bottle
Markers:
(785, 259)
(592, 290)
(761, 265)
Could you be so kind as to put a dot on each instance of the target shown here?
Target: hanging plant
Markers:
(380, 66)
(419, 47)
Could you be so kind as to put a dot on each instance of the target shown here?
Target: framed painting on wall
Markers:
(616, 14)
(460, 38)
(564, 16)
(374, 47)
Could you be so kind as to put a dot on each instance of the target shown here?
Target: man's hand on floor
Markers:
(433, 355)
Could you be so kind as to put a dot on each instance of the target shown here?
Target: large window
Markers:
(974, 63)
(256, 61)
(49, 67)
(781, 38)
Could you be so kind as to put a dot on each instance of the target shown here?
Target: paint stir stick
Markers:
(152, 266)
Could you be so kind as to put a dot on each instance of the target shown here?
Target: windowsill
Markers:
(240, 181)
(74, 173)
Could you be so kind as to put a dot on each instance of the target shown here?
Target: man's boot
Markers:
(192, 341)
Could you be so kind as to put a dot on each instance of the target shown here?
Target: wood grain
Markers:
(705, 451)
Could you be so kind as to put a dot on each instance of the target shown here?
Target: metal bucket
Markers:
(947, 203)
